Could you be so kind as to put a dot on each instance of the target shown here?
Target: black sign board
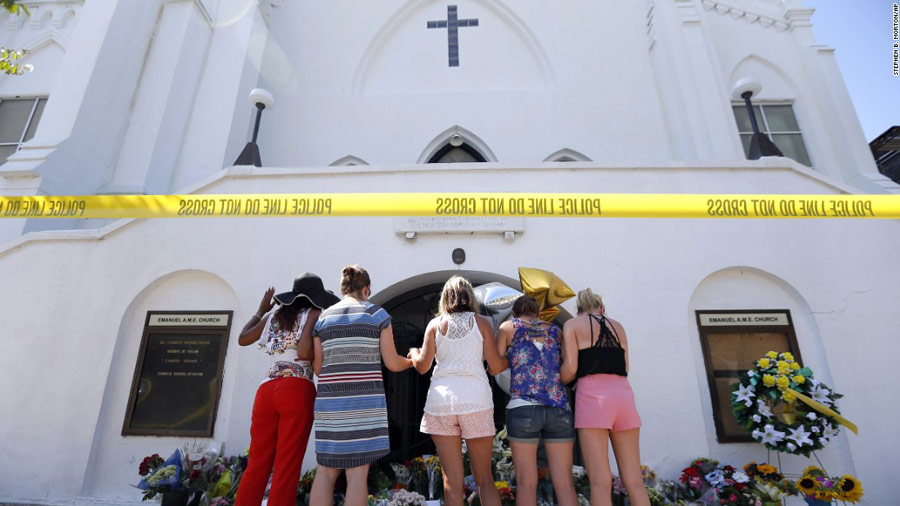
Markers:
(178, 376)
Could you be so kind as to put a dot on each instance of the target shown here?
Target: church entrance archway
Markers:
(412, 303)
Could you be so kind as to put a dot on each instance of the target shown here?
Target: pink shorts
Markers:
(605, 401)
(468, 426)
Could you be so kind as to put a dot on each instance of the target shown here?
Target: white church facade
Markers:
(606, 96)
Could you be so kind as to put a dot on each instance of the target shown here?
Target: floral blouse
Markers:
(281, 345)
(535, 370)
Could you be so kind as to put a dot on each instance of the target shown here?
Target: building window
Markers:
(457, 154)
(732, 341)
(19, 119)
(778, 122)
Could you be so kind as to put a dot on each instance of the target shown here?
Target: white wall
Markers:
(650, 272)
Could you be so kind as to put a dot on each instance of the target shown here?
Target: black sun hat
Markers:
(310, 286)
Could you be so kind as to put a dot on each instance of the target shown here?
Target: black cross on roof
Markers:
(452, 25)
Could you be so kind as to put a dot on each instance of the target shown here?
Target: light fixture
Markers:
(458, 255)
(760, 144)
(456, 140)
(261, 99)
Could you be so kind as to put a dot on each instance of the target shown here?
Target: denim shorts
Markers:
(528, 424)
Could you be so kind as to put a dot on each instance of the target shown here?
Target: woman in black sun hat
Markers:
(283, 409)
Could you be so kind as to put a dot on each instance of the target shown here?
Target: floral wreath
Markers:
(765, 404)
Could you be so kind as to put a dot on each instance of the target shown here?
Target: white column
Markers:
(76, 144)
(163, 101)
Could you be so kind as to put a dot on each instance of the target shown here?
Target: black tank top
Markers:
(605, 356)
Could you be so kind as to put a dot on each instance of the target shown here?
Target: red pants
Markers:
(279, 430)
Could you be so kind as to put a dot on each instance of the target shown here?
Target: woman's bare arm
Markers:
(253, 329)
(392, 360)
(305, 344)
(569, 344)
(496, 363)
(423, 358)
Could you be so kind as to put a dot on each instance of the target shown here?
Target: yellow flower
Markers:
(825, 495)
(766, 469)
(768, 380)
(783, 367)
(788, 356)
(788, 396)
(813, 471)
(807, 485)
(850, 489)
(799, 379)
(772, 355)
(795, 366)
(501, 484)
(764, 363)
(782, 382)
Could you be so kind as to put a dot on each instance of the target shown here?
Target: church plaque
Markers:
(178, 376)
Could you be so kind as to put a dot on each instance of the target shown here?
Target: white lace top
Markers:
(459, 384)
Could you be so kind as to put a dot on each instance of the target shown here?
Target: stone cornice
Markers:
(748, 15)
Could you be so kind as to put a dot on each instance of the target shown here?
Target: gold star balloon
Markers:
(549, 290)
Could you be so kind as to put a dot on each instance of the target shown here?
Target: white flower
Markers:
(791, 446)
(757, 418)
(811, 415)
(813, 382)
(820, 393)
(715, 477)
(830, 433)
(744, 393)
(815, 428)
(770, 435)
(763, 409)
(577, 472)
(800, 436)
(740, 477)
(756, 434)
(751, 373)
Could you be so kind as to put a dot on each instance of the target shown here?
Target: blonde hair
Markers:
(353, 279)
(457, 296)
(588, 301)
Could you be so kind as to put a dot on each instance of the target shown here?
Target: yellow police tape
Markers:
(543, 205)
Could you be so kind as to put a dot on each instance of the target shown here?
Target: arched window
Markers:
(456, 154)
(456, 145)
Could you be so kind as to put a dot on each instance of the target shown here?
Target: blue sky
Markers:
(860, 31)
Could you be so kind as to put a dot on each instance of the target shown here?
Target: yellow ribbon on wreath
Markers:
(821, 408)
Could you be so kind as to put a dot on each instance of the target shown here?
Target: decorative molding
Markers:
(567, 155)
(739, 13)
(468, 137)
(47, 14)
(651, 28)
(347, 161)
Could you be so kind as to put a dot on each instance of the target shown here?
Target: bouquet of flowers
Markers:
(418, 477)
(815, 484)
(406, 498)
(545, 492)
(435, 477)
(160, 475)
(711, 483)
(502, 457)
(507, 496)
(198, 465)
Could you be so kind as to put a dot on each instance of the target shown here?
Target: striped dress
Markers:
(350, 410)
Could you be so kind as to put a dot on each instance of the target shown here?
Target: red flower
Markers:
(732, 498)
(740, 486)
(195, 474)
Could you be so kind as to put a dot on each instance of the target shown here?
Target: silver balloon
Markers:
(496, 302)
